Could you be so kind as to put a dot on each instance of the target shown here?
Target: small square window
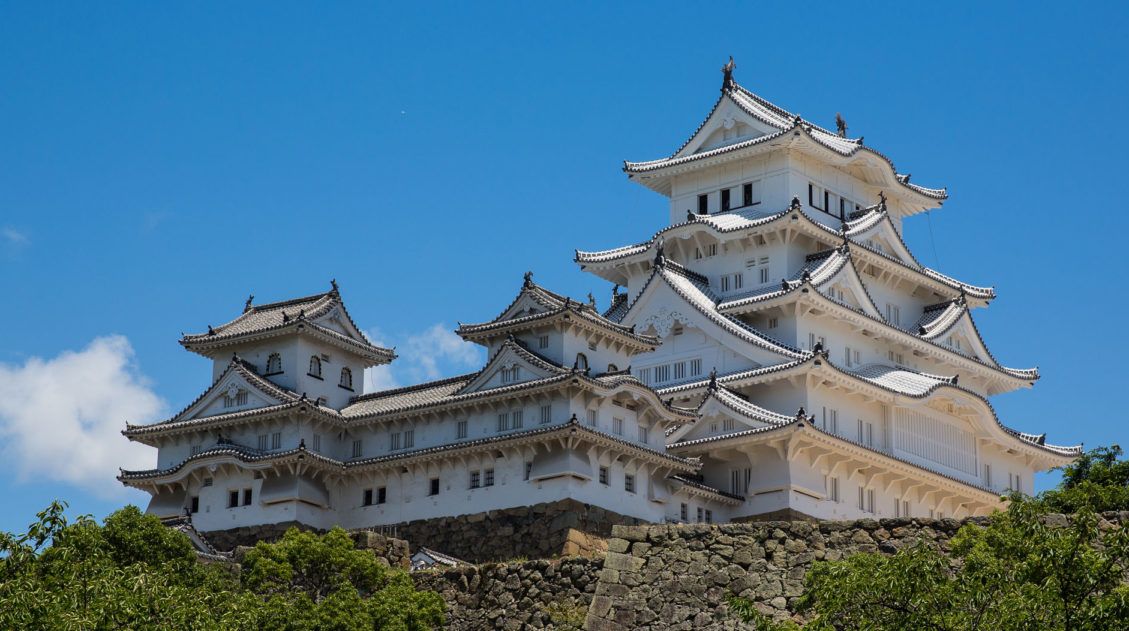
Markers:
(367, 500)
(461, 429)
(546, 414)
(233, 499)
(629, 483)
(434, 487)
(684, 510)
(358, 448)
(246, 497)
(381, 495)
(528, 469)
(488, 477)
(543, 341)
(475, 480)
(603, 475)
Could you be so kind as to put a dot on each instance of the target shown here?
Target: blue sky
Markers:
(159, 163)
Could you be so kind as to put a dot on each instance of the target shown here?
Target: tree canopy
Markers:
(132, 572)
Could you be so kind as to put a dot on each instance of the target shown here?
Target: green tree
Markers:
(1097, 480)
(134, 573)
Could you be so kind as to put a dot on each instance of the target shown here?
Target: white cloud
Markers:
(427, 355)
(61, 418)
(14, 237)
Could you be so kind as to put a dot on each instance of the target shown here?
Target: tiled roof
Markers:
(784, 122)
(279, 317)
(698, 484)
(553, 306)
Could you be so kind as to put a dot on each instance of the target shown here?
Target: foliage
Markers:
(1097, 480)
(567, 616)
(133, 572)
(1018, 572)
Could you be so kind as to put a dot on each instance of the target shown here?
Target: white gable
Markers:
(727, 124)
(508, 367)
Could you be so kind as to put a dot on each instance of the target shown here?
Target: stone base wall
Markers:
(240, 540)
(541, 531)
(228, 540)
(538, 594)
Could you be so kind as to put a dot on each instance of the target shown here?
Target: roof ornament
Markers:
(285, 317)
(795, 204)
(301, 443)
(301, 314)
(818, 348)
(801, 414)
(660, 256)
(845, 246)
(806, 275)
(844, 227)
(784, 286)
(797, 120)
(247, 305)
(573, 418)
(615, 292)
(712, 387)
(859, 141)
(591, 300)
(211, 331)
(689, 216)
(333, 285)
(906, 177)
(962, 299)
(956, 379)
(727, 82)
(840, 125)
(882, 201)
(527, 279)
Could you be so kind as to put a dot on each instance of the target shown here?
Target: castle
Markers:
(775, 351)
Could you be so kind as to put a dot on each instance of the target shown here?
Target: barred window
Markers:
(315, 366)
(346, 379)
(274, 364)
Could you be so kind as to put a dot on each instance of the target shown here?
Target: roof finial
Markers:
(801, 414)
(806, 275)
(713, 380)
(689, 215)
(840, 125)
(591, 300)
(301, 443)
(795, 203)
(247, 305)
(615, 291)
(818, 348)
(882, 201)
(527, 279)
(211, 331)
(956, 379)
(962, 299)
(784, 285)
(660, 256)
(333, 285)
(285, 317)
(727, 75)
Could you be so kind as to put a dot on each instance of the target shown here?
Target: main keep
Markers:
(775, 352)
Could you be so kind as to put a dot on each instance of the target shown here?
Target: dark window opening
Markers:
(811, 195)
(434, 486)
(381, 495)
(233, 499)
(315, 367)
(703, 204)
(246, 497)
(747, 195)
(725, 199)
(195, 504)
(367, 501)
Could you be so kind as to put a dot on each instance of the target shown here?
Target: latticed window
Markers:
(346, 378)
(274, 364)
(315, 366)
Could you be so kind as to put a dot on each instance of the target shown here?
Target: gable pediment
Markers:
(233, 392)
(510, 366)
(727, 124)
(846, 287)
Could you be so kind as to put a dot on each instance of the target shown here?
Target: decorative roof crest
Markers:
(840, 125)
(333, 285)
(660, 256)
(795, 203)
(591, 300)
(712, 387)
(247, 305)
(727, 82)
(527, 279)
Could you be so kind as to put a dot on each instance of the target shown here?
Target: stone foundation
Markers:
(529, 595)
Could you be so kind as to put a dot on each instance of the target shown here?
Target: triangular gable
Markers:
(722, 412)
(669, 298)
(246, 391)
(881, 235)
(510, 356)
(963, 337)
(337, 319)
(727, 123)
(837, 277)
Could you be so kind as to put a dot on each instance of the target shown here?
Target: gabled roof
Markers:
(779, 125)
(512, 352)
(693, 289)
(535, 306)
(738, 222)
(238, 371)
(320, 315)
(898, 381)
(718, 396)
(454, 392)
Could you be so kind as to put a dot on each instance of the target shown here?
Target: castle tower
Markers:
(850, 380)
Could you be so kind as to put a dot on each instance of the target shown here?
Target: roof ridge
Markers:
(370, 396)
(291, 301)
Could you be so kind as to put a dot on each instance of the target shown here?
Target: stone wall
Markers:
(541, 531)
(679, 576)
(394, 551)
(542, 594)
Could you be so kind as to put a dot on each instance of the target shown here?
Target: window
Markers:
(528, 469)
(503, 421)
(194, 504)
(773, 323)
(662, 373)
(870, 500)
(604, 475)
(617, 426)
(852, 357)
(381, 495)
(581, 361)
(645, 376)
(644, 434)
(831, 420)
(207, 481)
(680, 370)
(833, 489)
(274, 364)
(727, 424)
(543, 341)
(488, 478)
(593, 346)
(987, 475)
(695, 367)
(434, 489)
(893, 314)
(315, 367)
(711, 249)
(683, 509)
(546, 414)
(746, 199)
(629, 483)
(196, 449)
(862, 498)
(246, 497)
(317, 442)
(709, 516)
(232, 400)
(518, 419)
(367, 499)
(359, 446)
(866, 433)
(262, 442)
(814, 339)
(725, 199)
(700, 515)
(409, 438)
(703, 204)
(276, 440)
(346, 379)
(475, 480)
(739, 480)
(896, 358)
(233, 499)
(460, 429)
(510, 375)
(817, 197)
(592, 417)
